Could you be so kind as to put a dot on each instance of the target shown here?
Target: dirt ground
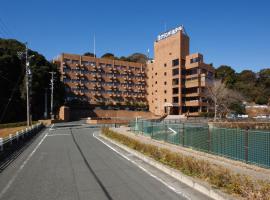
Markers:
(4, 132)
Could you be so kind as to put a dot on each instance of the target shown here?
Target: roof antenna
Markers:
(165, 26)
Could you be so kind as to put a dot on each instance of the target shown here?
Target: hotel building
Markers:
(177, 81)
(101, 81)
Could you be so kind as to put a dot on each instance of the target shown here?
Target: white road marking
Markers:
(173, 130)
(10, 182)
(51, 127)
(143, 169)
(58, 134)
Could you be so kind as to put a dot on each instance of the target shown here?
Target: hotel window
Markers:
(194, 60)
(175, 71)
(175, 81)
(175, 99)
(165, 100)
(175, 62)
(156, 82)
(165, 91)
(165, 64)
(165, 73)
(165, 82)
(175, 90)
(75, 62)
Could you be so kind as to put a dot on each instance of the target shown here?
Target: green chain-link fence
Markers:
(250, 146)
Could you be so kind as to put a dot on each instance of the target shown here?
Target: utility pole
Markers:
(27, 84)
(45, 109)
(52, 87)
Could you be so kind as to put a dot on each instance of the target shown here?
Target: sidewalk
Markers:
(233, 165)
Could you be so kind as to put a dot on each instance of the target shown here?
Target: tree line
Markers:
(255, 87)
(12, 83)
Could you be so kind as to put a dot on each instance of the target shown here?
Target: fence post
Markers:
(183, 135)
(152, 129)
(166, 133)
(246, 144)
(209, 139)
(1, 144)
(142, 128)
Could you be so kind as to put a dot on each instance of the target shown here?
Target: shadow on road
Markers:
(11, 152)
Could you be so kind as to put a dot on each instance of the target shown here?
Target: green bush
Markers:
(217, 176)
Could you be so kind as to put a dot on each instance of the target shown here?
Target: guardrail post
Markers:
(246, 145)
(10, 138)
(1, 144)
(21, 132)
(17, 137)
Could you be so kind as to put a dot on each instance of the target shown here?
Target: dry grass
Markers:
(4, 132)
(217, 176)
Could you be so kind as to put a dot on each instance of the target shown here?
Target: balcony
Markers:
(189, 84)
(194, 94)
(192, 65)
(195, 103)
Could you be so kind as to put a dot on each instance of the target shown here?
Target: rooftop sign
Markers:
(170, 32)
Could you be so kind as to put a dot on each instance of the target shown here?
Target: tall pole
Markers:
(27, 83)
(52, 87)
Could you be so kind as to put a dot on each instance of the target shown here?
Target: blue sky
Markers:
(236, 33)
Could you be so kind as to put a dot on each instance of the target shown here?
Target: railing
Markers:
(250, 146)
(11, 140)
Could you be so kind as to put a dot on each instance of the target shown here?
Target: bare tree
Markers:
(221, 97)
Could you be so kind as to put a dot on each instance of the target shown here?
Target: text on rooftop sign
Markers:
(169, 33)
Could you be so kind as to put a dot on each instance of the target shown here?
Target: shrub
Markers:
(217, 176)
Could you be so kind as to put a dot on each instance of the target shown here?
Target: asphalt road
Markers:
(67, 162)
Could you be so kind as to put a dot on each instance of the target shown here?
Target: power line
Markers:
(11, 96)
(5, 28)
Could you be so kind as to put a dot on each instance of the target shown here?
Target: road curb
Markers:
(191, 182)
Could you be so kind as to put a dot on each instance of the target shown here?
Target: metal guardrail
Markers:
(14, 139)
